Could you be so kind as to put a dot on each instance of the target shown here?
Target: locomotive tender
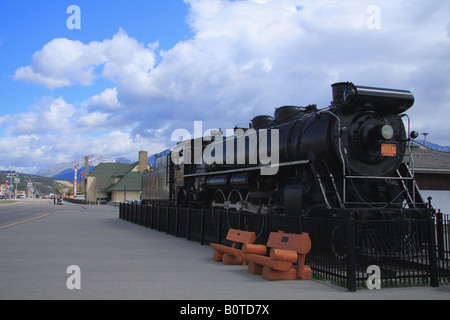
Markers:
(350, 159)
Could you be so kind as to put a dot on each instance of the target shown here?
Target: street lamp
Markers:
(10, 179)
(30, 188)
(16, 178)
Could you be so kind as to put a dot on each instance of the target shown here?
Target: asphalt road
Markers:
(111, 259)
(23, 210)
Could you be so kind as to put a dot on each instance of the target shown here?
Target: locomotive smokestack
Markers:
(338, 92)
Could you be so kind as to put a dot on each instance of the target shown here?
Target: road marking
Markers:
(24, 221)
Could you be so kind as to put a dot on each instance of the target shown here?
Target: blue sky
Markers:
(139, 69)
(26, 25)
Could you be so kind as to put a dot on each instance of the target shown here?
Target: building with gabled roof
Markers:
(432, 172)
(116, 182)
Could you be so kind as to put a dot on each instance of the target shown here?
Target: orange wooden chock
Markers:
(286, 260)
(283, 255)
(254, 249)
(233, 255)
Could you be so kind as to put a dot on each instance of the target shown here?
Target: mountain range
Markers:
(434, 146)
(66, 170)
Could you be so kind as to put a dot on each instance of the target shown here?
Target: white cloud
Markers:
(54, 131)
(245, 59)
(53, 117)
(64, 62)
(33, 152)
(107, 100)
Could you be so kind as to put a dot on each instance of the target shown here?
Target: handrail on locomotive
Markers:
(412, 135)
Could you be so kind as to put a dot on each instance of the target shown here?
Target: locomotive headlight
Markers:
(387, 132)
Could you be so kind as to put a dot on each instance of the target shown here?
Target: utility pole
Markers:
(30, 188)
(16, 180)
(10, 182)
(75, 181)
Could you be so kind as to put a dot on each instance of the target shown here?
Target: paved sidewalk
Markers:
(120, 260)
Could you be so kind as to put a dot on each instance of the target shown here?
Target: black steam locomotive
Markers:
(352, 158)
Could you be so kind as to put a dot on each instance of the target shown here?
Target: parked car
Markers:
(132, 201)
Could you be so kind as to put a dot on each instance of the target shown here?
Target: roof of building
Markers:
(132, 181)
(426, 159)
(123, 171)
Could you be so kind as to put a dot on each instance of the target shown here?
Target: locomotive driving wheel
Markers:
(235, 200)
(219, 200)
(338, 246)
(333, 236)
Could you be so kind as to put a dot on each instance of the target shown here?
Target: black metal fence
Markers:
(351, 253)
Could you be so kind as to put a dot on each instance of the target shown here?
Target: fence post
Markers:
(139, 212)
(219, 226)
(142, 219)
(440, 234)
(145, 215)
(188, 226)
(177, 213)
(240, 219)
(159, 218)
(434, 277)
(167, 220)
(202, 227)
(351, 254)
(266, 230)
(151, 216)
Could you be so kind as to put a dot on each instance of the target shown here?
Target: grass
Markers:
(7, 201)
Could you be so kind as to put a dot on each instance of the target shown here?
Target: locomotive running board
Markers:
(284, 164)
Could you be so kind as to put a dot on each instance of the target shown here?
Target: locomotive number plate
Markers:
(388, 150)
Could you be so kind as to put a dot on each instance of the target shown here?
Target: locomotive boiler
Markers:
(351, 158)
